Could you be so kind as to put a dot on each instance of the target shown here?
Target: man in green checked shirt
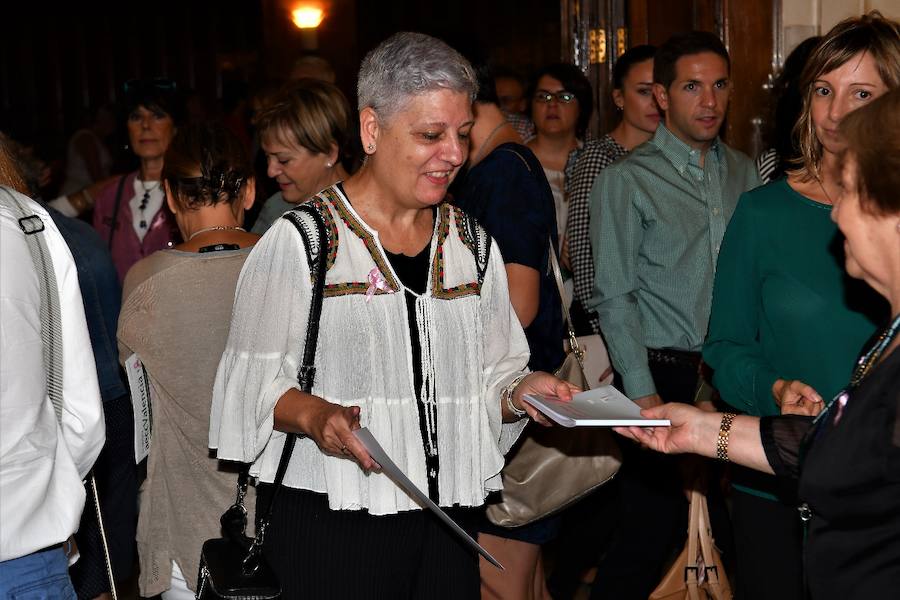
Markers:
(657, 219)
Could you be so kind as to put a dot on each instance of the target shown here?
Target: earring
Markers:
(329, 164)
(371, 147)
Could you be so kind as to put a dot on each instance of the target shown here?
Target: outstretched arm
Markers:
(697, 432)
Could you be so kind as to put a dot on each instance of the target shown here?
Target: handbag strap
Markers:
(557, 275)
(713, 577)
(115, 216)
(315, 240)
(692, 567)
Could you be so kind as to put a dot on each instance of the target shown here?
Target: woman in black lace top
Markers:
(846, 460)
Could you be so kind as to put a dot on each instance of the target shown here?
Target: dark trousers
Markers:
(116, 478)
(768, 541)
(321, 553)
(652, 507)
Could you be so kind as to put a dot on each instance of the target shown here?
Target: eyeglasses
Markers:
(545, 97)
(162, 84)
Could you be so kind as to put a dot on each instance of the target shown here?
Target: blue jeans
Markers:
(39, 576)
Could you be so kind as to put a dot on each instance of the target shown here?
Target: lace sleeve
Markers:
(782, 437)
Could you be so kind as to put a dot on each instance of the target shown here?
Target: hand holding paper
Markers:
(688, 425)
(604, 406)
(390, 469)
(542, 384)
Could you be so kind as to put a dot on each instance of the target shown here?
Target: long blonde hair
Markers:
(871, 33)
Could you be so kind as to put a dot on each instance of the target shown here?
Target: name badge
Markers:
(141, 405)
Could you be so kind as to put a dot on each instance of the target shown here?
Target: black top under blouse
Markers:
(413, 274)
(848, 464)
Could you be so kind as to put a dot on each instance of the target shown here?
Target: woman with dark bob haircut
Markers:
(561, 104)
(847, 459)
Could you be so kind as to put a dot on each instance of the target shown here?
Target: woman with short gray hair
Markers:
(418, 343)
(408, 64)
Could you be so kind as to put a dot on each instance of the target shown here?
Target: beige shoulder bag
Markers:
(554, 467)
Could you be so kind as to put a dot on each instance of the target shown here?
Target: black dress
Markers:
(848, 464)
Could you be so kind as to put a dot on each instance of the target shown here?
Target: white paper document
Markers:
(390, 469)
(141, 405)
(604, 406)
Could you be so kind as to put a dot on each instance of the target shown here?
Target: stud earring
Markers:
(329, 164)
(371, 147)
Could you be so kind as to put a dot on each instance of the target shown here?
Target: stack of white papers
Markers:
(604, 406)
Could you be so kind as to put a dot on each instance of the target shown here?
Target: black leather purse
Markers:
(232, 567)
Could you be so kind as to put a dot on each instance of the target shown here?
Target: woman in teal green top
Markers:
(786, 322)
(783, 307)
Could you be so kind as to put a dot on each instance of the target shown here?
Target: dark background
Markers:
(60, 60)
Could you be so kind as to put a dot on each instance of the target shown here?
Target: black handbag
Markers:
(232, 567)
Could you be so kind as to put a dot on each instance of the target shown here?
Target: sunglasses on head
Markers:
(545, 97)
(144, 85)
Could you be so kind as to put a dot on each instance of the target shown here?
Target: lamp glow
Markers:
(307, 17)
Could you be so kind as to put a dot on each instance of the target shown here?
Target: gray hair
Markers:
(408, 64)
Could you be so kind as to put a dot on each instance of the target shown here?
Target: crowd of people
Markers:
(753, 302)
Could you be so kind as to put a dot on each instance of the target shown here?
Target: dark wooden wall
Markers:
(59, 60)
(653, 21)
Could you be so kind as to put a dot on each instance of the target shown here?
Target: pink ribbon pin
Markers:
(377, 282)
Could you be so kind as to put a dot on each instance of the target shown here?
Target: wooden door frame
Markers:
(749, 105)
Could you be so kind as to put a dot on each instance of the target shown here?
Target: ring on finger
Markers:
(345, 450)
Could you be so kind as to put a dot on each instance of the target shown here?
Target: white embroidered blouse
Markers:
(472, 347)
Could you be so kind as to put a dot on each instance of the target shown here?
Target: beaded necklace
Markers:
(863, 366)
(870, 358)
(146, 199)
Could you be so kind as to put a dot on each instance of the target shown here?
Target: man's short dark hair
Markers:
(684, 44)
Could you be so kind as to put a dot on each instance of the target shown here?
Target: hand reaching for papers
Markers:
(543, 384)
(689, 426)
(796, 398)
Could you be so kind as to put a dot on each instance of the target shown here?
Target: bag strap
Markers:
(713, 577)
(115, 216)
(51, 323)
(557, 275)
(51, 338)
(692, 566)
(315, 240)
